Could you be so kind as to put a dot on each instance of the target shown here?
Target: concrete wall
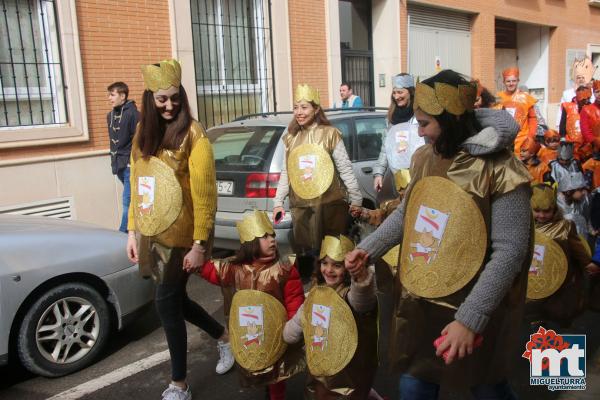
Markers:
(88, 180)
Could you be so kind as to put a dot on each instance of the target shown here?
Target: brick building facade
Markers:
(272, 46)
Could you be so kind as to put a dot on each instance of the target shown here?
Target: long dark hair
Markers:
(155, 132)
(454, 129)
(249, 251)
(393, 105)
(320, 119)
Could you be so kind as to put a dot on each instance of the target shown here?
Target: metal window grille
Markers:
(233, 58)
(31, 80)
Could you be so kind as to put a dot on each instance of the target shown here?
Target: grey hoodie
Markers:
(509, 240)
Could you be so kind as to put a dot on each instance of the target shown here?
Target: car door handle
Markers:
(367, 170)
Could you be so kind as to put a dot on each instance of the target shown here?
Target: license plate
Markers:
(225, 187)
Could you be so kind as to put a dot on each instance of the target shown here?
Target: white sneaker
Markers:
(226, 359)
(174, 392)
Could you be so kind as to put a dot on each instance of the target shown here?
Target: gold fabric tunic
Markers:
(323, 215)
(354, 381)
(271, 279)
(327, 137)
(417, 322)
(194, 169)
(568, 300)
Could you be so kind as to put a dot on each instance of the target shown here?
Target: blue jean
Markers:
(412, 388)
(123, 176)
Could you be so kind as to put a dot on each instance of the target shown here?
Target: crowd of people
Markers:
(470, 172)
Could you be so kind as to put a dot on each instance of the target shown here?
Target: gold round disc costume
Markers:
(445, 239)
(330, 332)
(310, 182)
(167, 201)
(256, 325)
(548, 268)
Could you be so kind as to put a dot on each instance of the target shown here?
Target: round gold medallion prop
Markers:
(330, 332)
(548, 268)
(445, 239)
(256, 322)
(157, 196)
(310, 170)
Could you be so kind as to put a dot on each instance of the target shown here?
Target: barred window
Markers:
(32, 89)
(233, 58)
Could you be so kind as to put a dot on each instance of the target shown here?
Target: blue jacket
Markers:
(121, 122)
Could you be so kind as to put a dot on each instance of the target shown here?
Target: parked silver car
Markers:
(249, 154)
(64, 286)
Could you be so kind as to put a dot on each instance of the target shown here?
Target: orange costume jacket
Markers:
(537, 169)
(573, 130)
(592, 166)
(520, 106)
(589, 121)
(546, 154)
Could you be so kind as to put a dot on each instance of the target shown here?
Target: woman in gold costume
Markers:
(466, 234)
(171, 220)
(317, 174)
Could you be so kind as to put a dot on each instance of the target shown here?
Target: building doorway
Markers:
(438, 39)
(356, 48)
(524, 46)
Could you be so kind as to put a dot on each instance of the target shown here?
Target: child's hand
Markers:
(194, 259)
(359, 276)
(355, 211)
(355, 261)
(592, 269)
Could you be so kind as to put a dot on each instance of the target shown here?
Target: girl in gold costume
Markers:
(171, 218)
(466, 240)
(359, 291)
(568, 300)
(317, 174)
(257, 266)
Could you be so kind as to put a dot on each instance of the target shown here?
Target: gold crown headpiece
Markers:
(254, 225)
(336, 247)
(455, 100)
(163, 76)
(543, 197)
(305, 92)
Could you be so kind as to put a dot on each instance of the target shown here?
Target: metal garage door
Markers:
(438, 39)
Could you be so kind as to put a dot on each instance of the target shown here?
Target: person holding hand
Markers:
(466, 243)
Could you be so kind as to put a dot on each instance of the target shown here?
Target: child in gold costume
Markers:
(568, 301)
(359, 291)
(257, 266)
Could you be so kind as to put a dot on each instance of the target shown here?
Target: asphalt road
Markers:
(145, 339)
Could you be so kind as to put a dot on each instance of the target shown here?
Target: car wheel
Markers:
(64, 330)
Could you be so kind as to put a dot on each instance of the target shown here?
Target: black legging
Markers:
(174, 308)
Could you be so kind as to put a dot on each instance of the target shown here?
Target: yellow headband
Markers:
(543, 197)
(255, 225)
(167, 74)
(336, 248)
(305, 92)
(434, 100)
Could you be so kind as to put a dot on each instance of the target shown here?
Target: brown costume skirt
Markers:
(311, 224)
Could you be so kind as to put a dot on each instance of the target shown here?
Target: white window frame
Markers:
(76, 128)
(47, 91)
(259, 51)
